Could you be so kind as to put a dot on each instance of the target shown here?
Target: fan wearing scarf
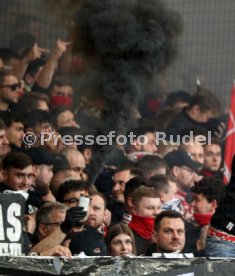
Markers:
(207, 194)
(146, 204)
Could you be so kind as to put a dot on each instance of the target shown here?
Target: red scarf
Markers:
(143, 226)
(202, 219)
(61, 101)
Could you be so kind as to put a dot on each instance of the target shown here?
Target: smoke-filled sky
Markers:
(123, 42)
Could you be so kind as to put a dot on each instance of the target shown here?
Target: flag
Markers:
(230, 139)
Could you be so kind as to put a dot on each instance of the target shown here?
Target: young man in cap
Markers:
(184, 170)
(43, 169)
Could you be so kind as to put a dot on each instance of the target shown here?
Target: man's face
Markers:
(44, 174)
(148, 207)
(42, 127)
(185, 177)
(9, 95)
(196, 151)
(150, 145)
(199, 116)
(77, 163)
(56, 218)
(213, 157)
(15, 134)
(119, 180)
(96, 212)
(66, 119)
(19, 179)
(4, 143)
(66, 91)
(200, 204)
(170, 237)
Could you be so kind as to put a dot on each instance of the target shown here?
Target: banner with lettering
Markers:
(12, 208)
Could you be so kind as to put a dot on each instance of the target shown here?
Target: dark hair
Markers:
(69, 130)
(166, 214)
(160, 183)
(115, 230)
(7, 54)
(56, 111)
(206, 100)
(133, 184)
(211, 188)
(2, 124)
(165, 116)
(16, 160)
(133, 170)
(61, 81)
(151, 164)
(30, 101)
(68, 186)
(37, 116)
(12, 117)
(144, 126)
(177, 96)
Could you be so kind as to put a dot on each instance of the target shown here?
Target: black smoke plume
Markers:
(123, 42)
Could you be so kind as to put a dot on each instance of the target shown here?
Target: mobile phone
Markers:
(84, 202)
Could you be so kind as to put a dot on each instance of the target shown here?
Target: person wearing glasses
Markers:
(49, 218)
(70, 191)
(9, 89)
(184, 171)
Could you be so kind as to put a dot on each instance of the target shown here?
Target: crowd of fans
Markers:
(152, 197)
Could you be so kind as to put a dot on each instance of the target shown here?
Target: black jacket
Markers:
(183, 120)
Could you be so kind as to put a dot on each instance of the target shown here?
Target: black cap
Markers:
(41, 156)
(181, 158)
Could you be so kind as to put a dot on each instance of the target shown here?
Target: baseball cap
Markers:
(181, 158)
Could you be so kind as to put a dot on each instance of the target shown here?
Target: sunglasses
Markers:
(13, 87)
